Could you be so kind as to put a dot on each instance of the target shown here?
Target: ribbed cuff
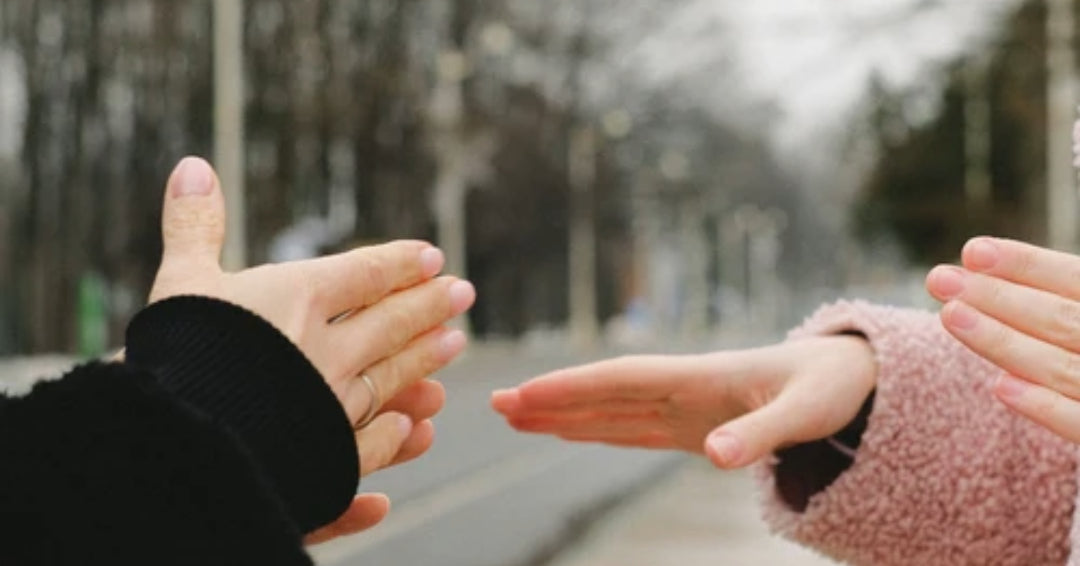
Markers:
(238, 369)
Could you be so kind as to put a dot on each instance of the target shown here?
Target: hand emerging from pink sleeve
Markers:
(736, 407)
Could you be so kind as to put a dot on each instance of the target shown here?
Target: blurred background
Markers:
(613, 175)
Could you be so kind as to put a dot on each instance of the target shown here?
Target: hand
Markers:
(1017, 306)
(377, 311)
(735, 407)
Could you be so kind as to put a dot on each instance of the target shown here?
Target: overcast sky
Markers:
(811, 59)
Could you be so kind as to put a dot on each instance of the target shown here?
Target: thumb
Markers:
(193, 217)
(747, 439)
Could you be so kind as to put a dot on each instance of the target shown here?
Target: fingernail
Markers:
(452, 344)
(1010, 387)
(981, 254)
(960, 316)
(405, 424)
(192, 177)
(506, 401)
(462, 295)
(947, 281)
(726, 447)
(431, 261)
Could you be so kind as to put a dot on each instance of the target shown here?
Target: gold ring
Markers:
(373, 406)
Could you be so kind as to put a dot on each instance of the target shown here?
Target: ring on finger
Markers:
(373, 406)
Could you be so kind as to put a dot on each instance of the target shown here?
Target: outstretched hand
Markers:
(736, 407)
(377, 311)
(1018, 306)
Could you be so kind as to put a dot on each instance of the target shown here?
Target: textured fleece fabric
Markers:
(945, 474)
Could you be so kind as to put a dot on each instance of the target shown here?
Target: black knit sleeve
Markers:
(215, 443)
(237, 368)
(103, 466)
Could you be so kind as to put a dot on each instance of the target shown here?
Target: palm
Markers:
(666, 402)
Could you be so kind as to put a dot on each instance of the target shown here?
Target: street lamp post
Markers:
(1061, 198)
(229, 123)
(584, 327)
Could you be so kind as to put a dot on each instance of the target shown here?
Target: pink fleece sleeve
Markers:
(945, 474)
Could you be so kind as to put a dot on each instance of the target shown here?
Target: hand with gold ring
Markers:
(377, 311)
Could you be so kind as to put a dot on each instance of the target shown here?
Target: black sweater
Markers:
(216, 442)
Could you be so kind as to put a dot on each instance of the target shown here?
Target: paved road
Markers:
(486, 496)
(696, 516)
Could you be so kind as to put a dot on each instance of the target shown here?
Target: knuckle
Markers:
(392, 441)
(995, 292)
(1025, 261)
(377, 275)
(1065, 324)
(999, 339)
(194, 218)
(1073, 276)
(1066, 379)
(399, 322)
(1044, 406)
(312, 287)
(378, 448)
(446, 309)
(429, 358)
(371, 273)
(391, 374)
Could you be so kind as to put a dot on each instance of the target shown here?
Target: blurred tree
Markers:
(916, 191)
(343, 133)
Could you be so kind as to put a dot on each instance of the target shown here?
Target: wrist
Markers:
(861, 357)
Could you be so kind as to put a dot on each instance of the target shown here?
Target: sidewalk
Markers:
(697, 516)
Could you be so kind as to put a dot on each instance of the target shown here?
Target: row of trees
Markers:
(492, 122)
(920, 190)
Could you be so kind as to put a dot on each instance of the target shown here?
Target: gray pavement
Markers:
(485, 495)
(695, 516)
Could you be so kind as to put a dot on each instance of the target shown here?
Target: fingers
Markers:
(654, 440)
(394, 375)
(1048, 408)
(1017, 353)
(380, 441)
(361, 277)
(1017, 308)
(757, 434)
(507, 401)
(418, 443)
(626, 378)
(598, 428)
(1039, 314)
(420, 401)
(365, 511)
(193, 217)
(384, 328)
(1025, 264)
(600, 409)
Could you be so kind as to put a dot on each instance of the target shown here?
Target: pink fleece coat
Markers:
(945, 474)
